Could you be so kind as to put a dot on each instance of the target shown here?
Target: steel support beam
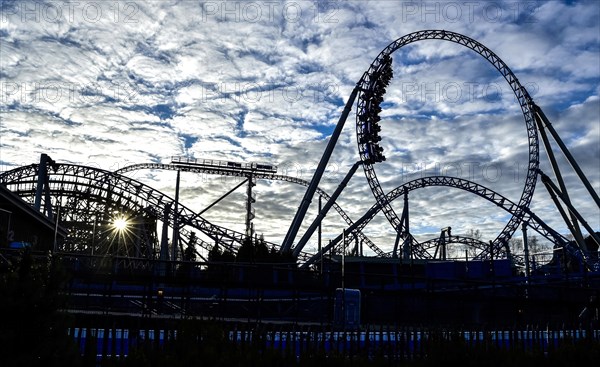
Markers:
(404, 222)
(567, 154)
(249, 201)
(221, 198)
(314, 183)
(526, 251)
(541, 121)
(43, 187)
(164, 241)
(317, 221)
(553, 188)
(175, 241)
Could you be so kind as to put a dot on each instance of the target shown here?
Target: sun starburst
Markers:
(120, 224)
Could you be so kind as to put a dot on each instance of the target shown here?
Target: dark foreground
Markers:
(39, 327)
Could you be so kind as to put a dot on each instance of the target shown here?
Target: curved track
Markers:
(472, 243)
(89, 198)
(528, 217)
(372, 79)
(490, 195)
(258, 175)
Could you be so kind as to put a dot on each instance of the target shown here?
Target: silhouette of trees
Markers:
(515, 245)
(475, 234)
(189, 254)
(246, 252)
(257, 251)
(216, 255)
(188, 267)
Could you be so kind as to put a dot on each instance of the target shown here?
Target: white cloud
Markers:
(123, 82)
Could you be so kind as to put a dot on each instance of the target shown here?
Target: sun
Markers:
(121, 233)
(120, 224)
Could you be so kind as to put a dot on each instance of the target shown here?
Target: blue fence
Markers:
(401, 343)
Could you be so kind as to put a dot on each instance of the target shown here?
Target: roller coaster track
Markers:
(258, 175)
(529, 217)
(77, 190)
(532, 220)
(120, 192)
(370, 82)
(471, 243)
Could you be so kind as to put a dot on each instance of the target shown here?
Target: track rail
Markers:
(529, 217)
(370, 79)
(258, 175)
(92, 185)
(490, 195)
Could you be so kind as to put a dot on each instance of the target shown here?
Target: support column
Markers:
(323, 212)
(319, 233)
(542, 124)
(164, 242)
(406, 245)
(526, 251)
(175, 241)
(43, 187)
(314, 183)
(249, 209)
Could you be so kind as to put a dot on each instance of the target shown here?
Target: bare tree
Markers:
(534, 245)
(475, 234)
(515, 245)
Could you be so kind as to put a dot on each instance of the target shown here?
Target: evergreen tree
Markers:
(246, 251)
(261, 251)
(189, 254)
(228, 256)
(215, 254)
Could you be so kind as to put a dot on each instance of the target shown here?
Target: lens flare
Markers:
(120, 224)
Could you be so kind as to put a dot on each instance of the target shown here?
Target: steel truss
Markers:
(471, 243)
(87, 198)
(257, 175)
(371, 79)
(532, 220)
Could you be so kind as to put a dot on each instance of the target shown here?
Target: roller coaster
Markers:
(86, 201)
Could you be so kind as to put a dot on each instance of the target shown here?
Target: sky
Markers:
(114, 83)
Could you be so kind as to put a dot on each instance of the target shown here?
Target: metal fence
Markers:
(395, 344)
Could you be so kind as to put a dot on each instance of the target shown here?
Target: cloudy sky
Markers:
(120, 82)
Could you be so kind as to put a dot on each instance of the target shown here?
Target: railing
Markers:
(392, 344)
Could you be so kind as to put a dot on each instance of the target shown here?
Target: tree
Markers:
(215, 253)
(475, 234)
(516, 245)
(261, 251)
(189, 254)
(246, 251)
(189, 257)
(534, 245)
(228, 256)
